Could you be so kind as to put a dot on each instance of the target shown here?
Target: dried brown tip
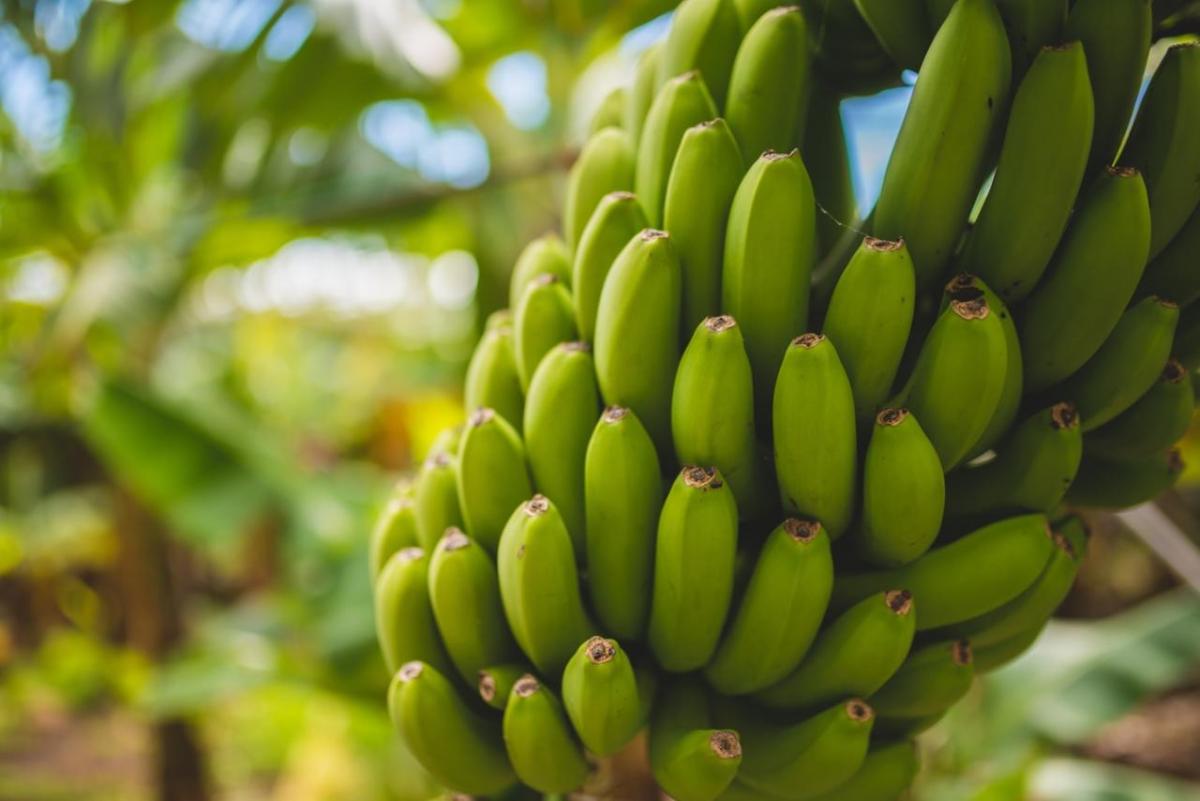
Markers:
(575, 347)
(722, 322)
(973, 309)
(621, 194)
(697, 477)
(409, 554)
(487, 685)
(1063, 416)
(650, 234)
(600, 650)
(526, 686)
(438, 459)
(1174, 372)
(545, 279)
(725, 744)
(859, 710)
(1121, 172)
(615, 414)
(779, 10)
(883, 245)
(1175, 461)
(690, 75)
(960, 651)
(454, 539)
(480, 416)
(411, 670)
(708, 123)
(775, 155)
(808, 341)
(891, 417)
(1059, 47)
(1166, 304)
(537, 506)
(899, 601)
(1063, 544)
(801, 530)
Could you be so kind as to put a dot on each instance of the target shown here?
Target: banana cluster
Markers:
(768, 487)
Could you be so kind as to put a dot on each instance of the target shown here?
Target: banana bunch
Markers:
(774, 488)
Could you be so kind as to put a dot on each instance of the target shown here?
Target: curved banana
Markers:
(815, 450)
(492, 477)
(931, 680)
(435, 498)
(1172, 274)
(495, 682)
(492, 379)
(396, 528)
(902, 28)
(691, 761)
(693, 569)
(996, 656)
(544, 318)
(704, 36)
(605, 164)
(885, 774)
(610, 112)
(617, 219)
(541, 745)
(1157, 421)
(404, 620)
(683, 101)
(600, 692)
(641, 93)
(546, 254)
(1121, 483)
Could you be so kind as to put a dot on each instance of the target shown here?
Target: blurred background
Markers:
(246, 247)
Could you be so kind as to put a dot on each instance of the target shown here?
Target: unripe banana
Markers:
(712, 410)
(1162, 144)
(902, 28)
(492, 379)
(827, 159)
(885, 774)
(624, 494)
(539, 585)
(1120, 483)
(1127, 365)
(965, 579)
(465, 595)
(617, 219)
(449, 438)
(544, 318)
(904, 492)
(1116, 38)
(869, 318)
(642, 91)
(958, 381)
(404, 619)
(770, 247)
(540, 743)
(704, 178)
(559, 415)
(704, 36)
(492, 477)
(769, 84)
(854, 656)
(683, 101)
(610, 113)
(637, 332)
(604, 165)
(1091, 279)
(815, 450)
(931, 680)
(600, 692)
(1035, 465)
(546, 254)
(996, 656)
(1032, 25)
(460, 749)
(693, 569)
(435, 498)
(941, 154)
(691, 761)
(806, 759)
(779, 613)
(495, 682)
(395, 529)
(1041, 167)
(1157, 421)
(1172, 275)
(750, 10)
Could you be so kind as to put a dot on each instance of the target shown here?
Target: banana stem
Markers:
(624, 776)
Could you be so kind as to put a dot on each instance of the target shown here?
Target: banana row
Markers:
(774, 489)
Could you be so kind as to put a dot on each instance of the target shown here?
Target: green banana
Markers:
(959, 378)
(395, 529)
(544, 318)
(815, 450)
(769, 84)
(1157, 421)
(1032, 25)
(1172, 275)
(492, 476)
(559, 415)
(623, 496)
(704, 178)
(704, 36)
(637, 332)
(449, 438)
(492, 379)
(827, 159)
(617, 219)
(712, 409)
(1116, 38)
(693, 569)
(941, 155)
(610, 112)
(967, 578)
(1162, 144)
(1091, 279)
(1035, 465)
(931, 680)
(690, 760)
(1120, 483)
(546, 254)
(683, 101)
(495, 682)
(1126, 365)
(1041, 168)
(600, 692)
(902, 28)
(779, 613)
(903, 492)
(642, 90)
(465, 595)
(605, 164)
(435, 498)
(750, 10)
(460, 749)
(404, 619)
(885, 774)
(996, 656)
(541, 746)
(854, 656)
(539, 585)
(869, 318)
(770, 247)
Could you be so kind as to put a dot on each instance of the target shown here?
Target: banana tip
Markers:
(526, 686)
(615, 414)
(725, 744)
(487, 686)
(481, 416)
(859, 710)
(411, 670)
(1064, 416)
(1121, 171)
(722, 322)
(600, 650)
(960, 651)
(891, 417)
(802, 530)
(899, 601)
(808, 341)
(883, 245)
(537, 506)
(702, 478)
(651, 234)
(1174, 372)
(973, 309)
(454, 539)
(409, 554)
(438, 459)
